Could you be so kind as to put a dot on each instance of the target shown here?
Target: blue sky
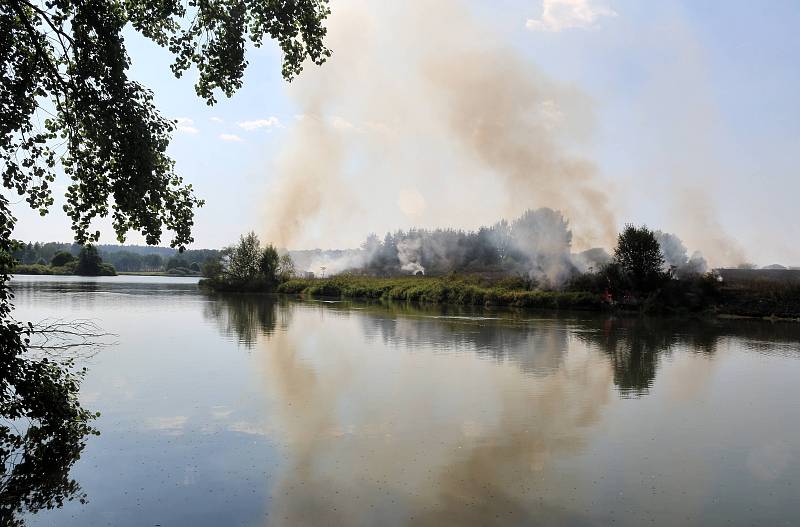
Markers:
(695, 123)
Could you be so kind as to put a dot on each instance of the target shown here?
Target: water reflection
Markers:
(250, 410)
(246, 317)
(36, 469)
(429, 436)
(375, 436)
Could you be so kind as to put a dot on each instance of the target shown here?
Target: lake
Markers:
(255, 410)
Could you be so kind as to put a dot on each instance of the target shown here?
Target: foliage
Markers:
(286, 268)
(65, 65)
(42, 425)
(61, 258)
(244, 259)
(212, 268)
(90, 263)
(463, 290)
(36, 269)
(639, 258)
(536, 245)
(176, 261)
(246, 266)
(67, 105)
(269, 263)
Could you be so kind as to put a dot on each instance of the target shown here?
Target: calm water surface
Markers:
(240, 410)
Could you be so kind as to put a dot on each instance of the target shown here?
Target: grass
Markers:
(460, 290)
(761, 298)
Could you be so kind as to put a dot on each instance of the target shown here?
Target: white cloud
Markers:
(231, 138)
(269, 122)
(217, 120)
(186, 125)
(569, 14)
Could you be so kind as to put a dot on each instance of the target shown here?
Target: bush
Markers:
(35, 269)
(464, 290)
(246, 267)
(212, 268)
(62, 258)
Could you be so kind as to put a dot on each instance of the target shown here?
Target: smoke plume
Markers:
(408, 252)
(454, 128)
(676, 256)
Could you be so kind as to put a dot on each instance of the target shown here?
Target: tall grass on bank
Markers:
(462, 290)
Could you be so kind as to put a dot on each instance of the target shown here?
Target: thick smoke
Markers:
(537, 245)
(399, 130)
(408, 253)
(676, 256)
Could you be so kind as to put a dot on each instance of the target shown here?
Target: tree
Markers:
(90, 263)
(245, 258)
(639, 257)
(64, 64)
(212, 268)
(152, 262)
(269, 264)
(175, 262)
(67, 106)
(125, 260)
(61, 258)
(286, 268)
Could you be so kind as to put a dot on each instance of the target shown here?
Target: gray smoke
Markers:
(395, 130)
(676, 256)
(537, 245)
(408, 254)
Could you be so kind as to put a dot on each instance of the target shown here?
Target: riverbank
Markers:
(441, 290)
(750, 301)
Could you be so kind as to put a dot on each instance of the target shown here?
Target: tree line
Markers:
(122, 258)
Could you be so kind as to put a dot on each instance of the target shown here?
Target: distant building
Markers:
(308, 274)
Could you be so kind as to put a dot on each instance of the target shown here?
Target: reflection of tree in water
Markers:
(535, 349)
(636, 345)
(246, 317)
(43, 429)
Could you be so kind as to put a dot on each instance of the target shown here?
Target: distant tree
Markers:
(152, 262)
(61, 258)
(195, 267)
(286, 268)
(41, 261)
(176, 262)
(126, 261)
(212, 267)
(269, 263)
(639, 258)
(90, 263)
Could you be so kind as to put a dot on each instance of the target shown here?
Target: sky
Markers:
(688, 114)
